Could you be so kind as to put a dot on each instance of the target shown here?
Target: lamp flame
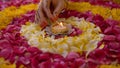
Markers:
(61, 24)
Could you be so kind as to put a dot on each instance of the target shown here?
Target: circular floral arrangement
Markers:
(88, 40)
(94, 42)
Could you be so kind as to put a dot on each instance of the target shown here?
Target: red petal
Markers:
(44, 57)
(46, 64)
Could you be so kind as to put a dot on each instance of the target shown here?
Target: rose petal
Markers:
(46, 64)
(60, 64)
(72, 56)
(109, 38)
(5, 53)
(19, 49)
(24, 60)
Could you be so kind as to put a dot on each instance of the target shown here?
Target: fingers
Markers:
(44, 11)
(46, 8)
(40, 18)
(59, 8)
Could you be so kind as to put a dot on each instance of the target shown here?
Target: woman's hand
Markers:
(45, 11)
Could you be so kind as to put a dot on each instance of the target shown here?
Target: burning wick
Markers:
(61, 24)
(59, 28)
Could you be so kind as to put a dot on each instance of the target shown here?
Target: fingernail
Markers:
(52, 19)
(43, 24)
(56, 18)
(56, 15)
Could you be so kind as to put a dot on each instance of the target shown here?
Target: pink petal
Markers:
(19, 49)
(5, 53)
(72, 56)
(4, 44)
(24, 60)
(114, 46)
(60, 64)
(109, 38)
(108, 30)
